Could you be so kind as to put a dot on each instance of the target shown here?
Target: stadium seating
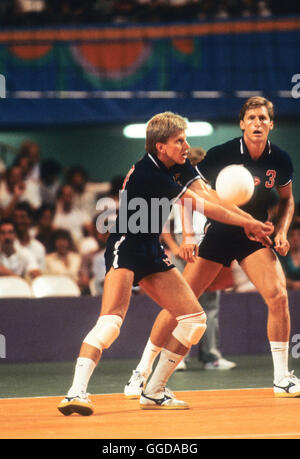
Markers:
(14, 287)
(54, 286)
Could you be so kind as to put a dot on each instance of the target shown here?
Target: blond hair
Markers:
(257, 101)
(161, 127)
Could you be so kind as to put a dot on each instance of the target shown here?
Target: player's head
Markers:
(161, 127)
(257, 102)
(256, 119)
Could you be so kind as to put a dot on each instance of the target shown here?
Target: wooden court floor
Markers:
(214, 414)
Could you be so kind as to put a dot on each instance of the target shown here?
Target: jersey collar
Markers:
(159, 164)
(244, 149)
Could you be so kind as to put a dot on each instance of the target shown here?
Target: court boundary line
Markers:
(121, 393)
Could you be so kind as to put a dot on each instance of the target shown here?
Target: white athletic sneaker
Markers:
(220, 364)
(135, 385)
(80, 404)
(162, 401)
(288, 386)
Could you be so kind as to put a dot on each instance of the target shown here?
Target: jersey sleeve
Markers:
(188, 174)
(286, 170)
(156, 184)
(166, 187)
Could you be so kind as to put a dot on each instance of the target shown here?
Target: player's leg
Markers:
(265, 272)
(163, 326)
(171, 292)
(199, 276)
(115, 302)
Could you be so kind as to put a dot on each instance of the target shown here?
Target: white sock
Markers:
(149, 355)
(167, 363)
(280, 355)
(83, 371)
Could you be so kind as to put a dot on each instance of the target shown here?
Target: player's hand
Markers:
(189, 250)
(281, 244)
(259, 231)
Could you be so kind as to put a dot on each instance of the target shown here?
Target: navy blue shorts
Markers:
(140, 255)
(225, 246)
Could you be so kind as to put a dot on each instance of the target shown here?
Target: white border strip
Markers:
(24, 94)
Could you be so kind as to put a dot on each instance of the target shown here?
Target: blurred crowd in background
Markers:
(49, 219)
(48, 12)
(49, 223)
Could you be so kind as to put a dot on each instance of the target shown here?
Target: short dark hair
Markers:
(7, 221)
(254, 102)
(26, 207)
(76, 170)
(61, 233)
(39, 212)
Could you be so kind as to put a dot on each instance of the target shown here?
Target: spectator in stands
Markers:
(14, 189)
(44, 230)
(83, 197)
(28, 160)
(25, 12)
(291, 263)
(22, 160)
(68, 217)
(50, 180)
(23, 219)
(64, 260)
(31, 149)
(15, 261)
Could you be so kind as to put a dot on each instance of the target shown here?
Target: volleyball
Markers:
(235, 184)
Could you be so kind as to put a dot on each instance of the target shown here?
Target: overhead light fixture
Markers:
(135, 131)
(199, 129)
(195, 129)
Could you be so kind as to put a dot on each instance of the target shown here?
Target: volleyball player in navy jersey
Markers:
(273, 170)
(134, 255)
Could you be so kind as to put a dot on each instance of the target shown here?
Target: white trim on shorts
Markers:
(116, 252)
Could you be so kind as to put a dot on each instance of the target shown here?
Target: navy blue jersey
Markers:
(147, 183)
(272, 169)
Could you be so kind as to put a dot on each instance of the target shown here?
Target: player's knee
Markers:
(278, 299)
(190, 328)
(105, 332)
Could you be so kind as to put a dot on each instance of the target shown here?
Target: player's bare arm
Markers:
(254, 229)
(188, 250)
(203, 190)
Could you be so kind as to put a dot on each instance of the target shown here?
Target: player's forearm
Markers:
(224, 215)
(229, 206)
(286, 208)
(213, 210)
(200, 188)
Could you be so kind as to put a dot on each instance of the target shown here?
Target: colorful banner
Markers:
(102, 70)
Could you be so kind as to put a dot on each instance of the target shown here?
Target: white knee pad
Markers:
(190, 328)
(105, 332)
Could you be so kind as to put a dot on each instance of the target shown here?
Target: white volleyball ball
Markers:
(235, 184)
